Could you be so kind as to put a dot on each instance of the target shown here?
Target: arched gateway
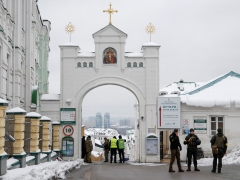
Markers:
(111, 65)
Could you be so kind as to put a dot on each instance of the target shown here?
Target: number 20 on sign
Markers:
(68, 130)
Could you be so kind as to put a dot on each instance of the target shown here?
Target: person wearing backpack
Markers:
(192, 142)
(220, 142)
(175, 147)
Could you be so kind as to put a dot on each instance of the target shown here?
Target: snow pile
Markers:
(96, 154)
(232, 158)
(11, 161)
(43, 171)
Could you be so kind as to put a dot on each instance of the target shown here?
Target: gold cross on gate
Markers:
(110, 11)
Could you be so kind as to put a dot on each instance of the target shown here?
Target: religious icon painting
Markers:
(109, 56)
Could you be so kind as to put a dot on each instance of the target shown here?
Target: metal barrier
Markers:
(9, 134)
(27, 135)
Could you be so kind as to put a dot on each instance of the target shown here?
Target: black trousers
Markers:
(218, 156)
(191, 154)
(113, 153)
(121, 155)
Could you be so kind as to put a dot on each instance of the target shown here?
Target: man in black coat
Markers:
(175, 147)
(192, 142)
(221, 142)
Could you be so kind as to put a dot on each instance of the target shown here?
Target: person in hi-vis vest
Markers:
(113, 149)
(121, 147)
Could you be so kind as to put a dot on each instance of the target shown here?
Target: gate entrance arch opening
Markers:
(111, 65)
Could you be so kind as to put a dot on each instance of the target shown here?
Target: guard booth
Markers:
(151, 144)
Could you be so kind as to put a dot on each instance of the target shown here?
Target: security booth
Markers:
(151, 144)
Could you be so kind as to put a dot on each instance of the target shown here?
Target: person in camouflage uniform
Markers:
(106, 149)
(219, 140)
(89, 148)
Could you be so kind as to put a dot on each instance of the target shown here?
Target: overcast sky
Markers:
(200, 39)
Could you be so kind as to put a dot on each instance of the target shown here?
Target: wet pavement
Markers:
(126, 171)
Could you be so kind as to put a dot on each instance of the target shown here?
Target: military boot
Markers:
(214, 170)
(196, 169)
(189, 168)
(171, 170)
(219, 170)
(180, 170)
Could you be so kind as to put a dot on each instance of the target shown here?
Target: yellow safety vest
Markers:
(113, 143)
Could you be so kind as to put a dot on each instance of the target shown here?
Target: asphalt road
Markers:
(126, 171)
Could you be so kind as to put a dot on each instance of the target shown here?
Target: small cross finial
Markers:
(110, 11)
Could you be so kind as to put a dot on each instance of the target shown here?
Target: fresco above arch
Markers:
(109, 56)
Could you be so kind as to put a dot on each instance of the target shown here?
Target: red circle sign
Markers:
(68, 130)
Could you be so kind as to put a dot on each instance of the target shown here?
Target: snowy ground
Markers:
(43, 171)
(232, 158)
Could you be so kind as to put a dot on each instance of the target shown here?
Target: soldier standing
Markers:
(113, 148)
(121, 147)
(175, 152)
(89, 148)
(192, 141)
(106, 149)
(221, 142)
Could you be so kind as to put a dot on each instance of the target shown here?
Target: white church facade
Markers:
(109, 65)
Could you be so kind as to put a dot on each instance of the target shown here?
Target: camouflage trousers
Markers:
(88, 156)
(106, 152)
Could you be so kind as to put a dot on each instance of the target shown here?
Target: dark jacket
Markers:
(194, 141)
(225, 142)
(175, 143)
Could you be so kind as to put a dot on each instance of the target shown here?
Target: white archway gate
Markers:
(111, 65)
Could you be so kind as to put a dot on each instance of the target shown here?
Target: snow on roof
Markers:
(133, 54)
(17, 109)
(34, 87)
(98, 142)
(2, 101)
(173, 88)
(86, 54)
(33, 114)
(221, 91)
(45, 118)
(151, 44)
(50, 97)
(55, 122)
(69, 44)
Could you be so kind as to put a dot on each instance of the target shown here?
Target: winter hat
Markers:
(89, 137)
(114, 137)
(120, 137)
(191, 130)
(219, 130)
(175, 130)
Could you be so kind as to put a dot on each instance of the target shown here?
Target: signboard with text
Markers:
(68, 115)
(168, 112)
(200, 125)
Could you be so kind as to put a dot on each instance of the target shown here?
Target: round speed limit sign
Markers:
(68, 130)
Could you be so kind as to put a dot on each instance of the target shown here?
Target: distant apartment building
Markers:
(124, 122)
(98, 120)
(107, 120)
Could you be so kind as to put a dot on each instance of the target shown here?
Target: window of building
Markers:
(134, 64)
(90, 64)
(84, 64)
(78, 64)
(128, 64)
(141, 64)
(216, 122)
(68, 146)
